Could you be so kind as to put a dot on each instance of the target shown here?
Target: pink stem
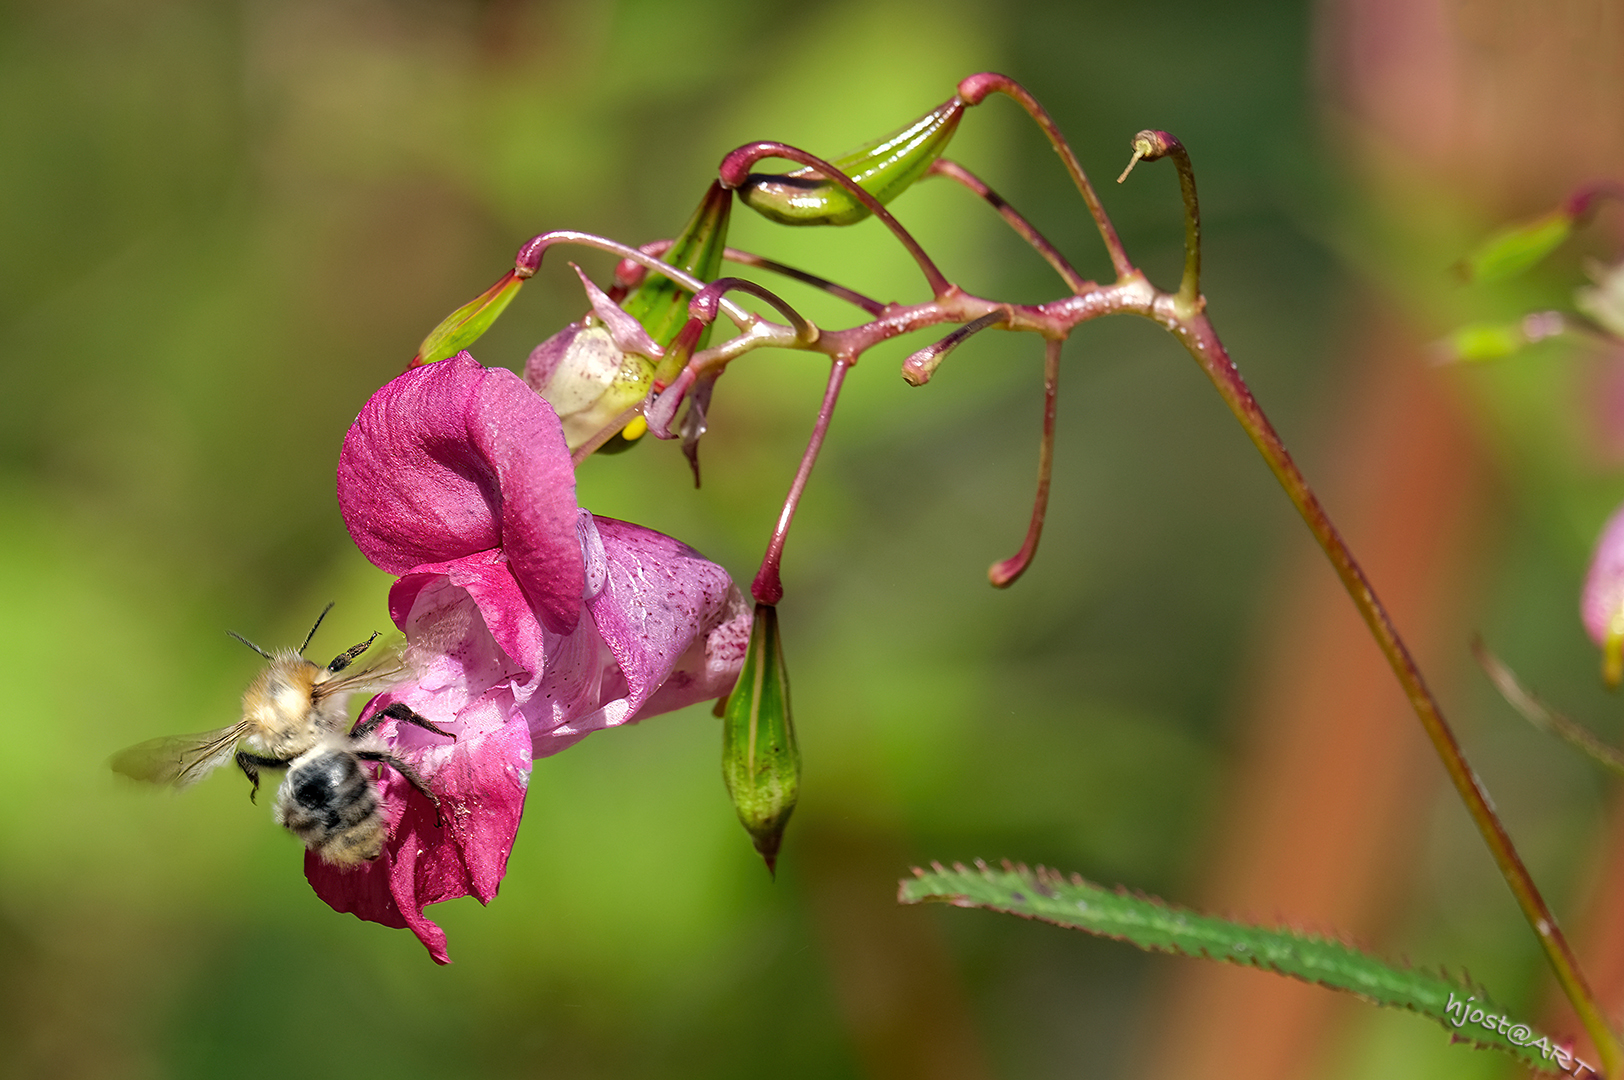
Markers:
(767, 588)
(977, 87)
(958, 173)
(1004, 574)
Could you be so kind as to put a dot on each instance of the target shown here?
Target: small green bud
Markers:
(760, 762)
(463, 327)
(1478, 342)
(1512, 250)
(884, 168)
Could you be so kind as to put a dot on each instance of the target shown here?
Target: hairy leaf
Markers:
(1464, 1010)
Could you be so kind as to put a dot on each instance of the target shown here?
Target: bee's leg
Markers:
(250, 764)
(398, 711)
(411, 776)
(347, 657)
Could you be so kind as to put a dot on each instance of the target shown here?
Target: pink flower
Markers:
(1601, 604)
(531, 623)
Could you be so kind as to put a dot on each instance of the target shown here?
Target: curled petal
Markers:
(481, 784)
(627, 332)
(452, 459)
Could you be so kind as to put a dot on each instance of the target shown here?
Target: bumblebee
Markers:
(295, 716)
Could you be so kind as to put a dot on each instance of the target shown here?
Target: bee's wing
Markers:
(179, 760)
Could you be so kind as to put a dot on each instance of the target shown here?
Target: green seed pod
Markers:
(884, 168)
(659, 303)
(760, 761)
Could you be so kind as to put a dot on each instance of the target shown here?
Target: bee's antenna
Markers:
(313, 629)
(251, 645)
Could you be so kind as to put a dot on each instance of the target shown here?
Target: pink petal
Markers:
(629, 335)
(451, 459)
(1602, 600)
(481, 784)
(660, 601)
(484, 660)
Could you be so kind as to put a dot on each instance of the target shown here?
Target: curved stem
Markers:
(736, 166)
(1006, 573)
(704, 304)
(851, 296)
(767, 588)
(920, 366)
(1197, 335)
(629, 274)
(528, 261)
(1149, 145)
(1541, 715)
(977, 87)
(956, 172)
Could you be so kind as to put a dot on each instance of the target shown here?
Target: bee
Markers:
(294, 717)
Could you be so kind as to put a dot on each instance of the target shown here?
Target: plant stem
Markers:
(975, 88)
(1004, 574)
(1197, 335)
(1026, 230)
(835, 289)
(767, 588)
(1541, 715)
(1149, 145)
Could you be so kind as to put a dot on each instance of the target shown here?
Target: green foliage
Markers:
(1152, 925)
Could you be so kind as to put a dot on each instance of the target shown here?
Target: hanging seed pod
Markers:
(760, 762)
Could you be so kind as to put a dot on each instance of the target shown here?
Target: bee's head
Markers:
(281, 696)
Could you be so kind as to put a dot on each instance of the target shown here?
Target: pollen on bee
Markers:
(634, 429)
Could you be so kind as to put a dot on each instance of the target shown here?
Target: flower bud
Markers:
(760, 762)
(659, 303)
(884, 168)
(1512, 250)
(463, 327)
(586, 378)
(1601, 604)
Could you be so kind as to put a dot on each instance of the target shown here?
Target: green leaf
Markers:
(1464, 1010)
(1515, 249)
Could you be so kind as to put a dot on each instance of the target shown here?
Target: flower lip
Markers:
(452, 459)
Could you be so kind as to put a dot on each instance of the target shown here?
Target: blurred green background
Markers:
(222, 225)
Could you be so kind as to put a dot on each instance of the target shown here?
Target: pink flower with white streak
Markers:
(532, 623)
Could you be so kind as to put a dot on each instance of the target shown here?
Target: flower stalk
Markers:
(761, 761)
